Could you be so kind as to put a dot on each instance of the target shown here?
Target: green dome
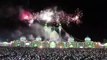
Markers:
(52, 44)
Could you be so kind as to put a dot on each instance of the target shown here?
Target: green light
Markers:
(90, 46)
(18, 44)
(35, 45)
(52, 45)
(105, 44)
(71, 46)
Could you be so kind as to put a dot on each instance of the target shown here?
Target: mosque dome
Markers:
(87, 39)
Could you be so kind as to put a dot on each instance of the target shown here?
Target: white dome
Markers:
(22, 38)
(38, 38)
(87, 39)
(54, 35)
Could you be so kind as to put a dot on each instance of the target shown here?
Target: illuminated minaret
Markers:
(48, 31)
(60, 28)
(45, 27)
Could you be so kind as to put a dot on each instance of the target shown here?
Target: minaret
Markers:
(60, 28)
(45, 27)
(46, 31)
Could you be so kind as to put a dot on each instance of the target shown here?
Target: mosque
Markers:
(54, 41)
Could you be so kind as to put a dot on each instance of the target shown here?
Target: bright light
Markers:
(23, 38)
(90, 46)
(27, 43)
(75, 18)
(52, 44)
(71, 46)
(96, 43)
(5, 42)
(60, 47)
(38, 38)
(25, 17)
(46, 15)
(41, 46)
(87, 39)
(31, 21)
(81, 46)
(35, 45)
(105, 44)
(102, 44)
(51, 15)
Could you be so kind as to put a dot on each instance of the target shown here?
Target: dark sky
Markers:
(94, 15)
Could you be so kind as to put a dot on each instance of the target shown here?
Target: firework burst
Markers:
(53, 15)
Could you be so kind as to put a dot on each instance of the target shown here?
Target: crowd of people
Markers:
(28, 53)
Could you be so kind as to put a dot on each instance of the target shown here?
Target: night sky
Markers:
(94, 20)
